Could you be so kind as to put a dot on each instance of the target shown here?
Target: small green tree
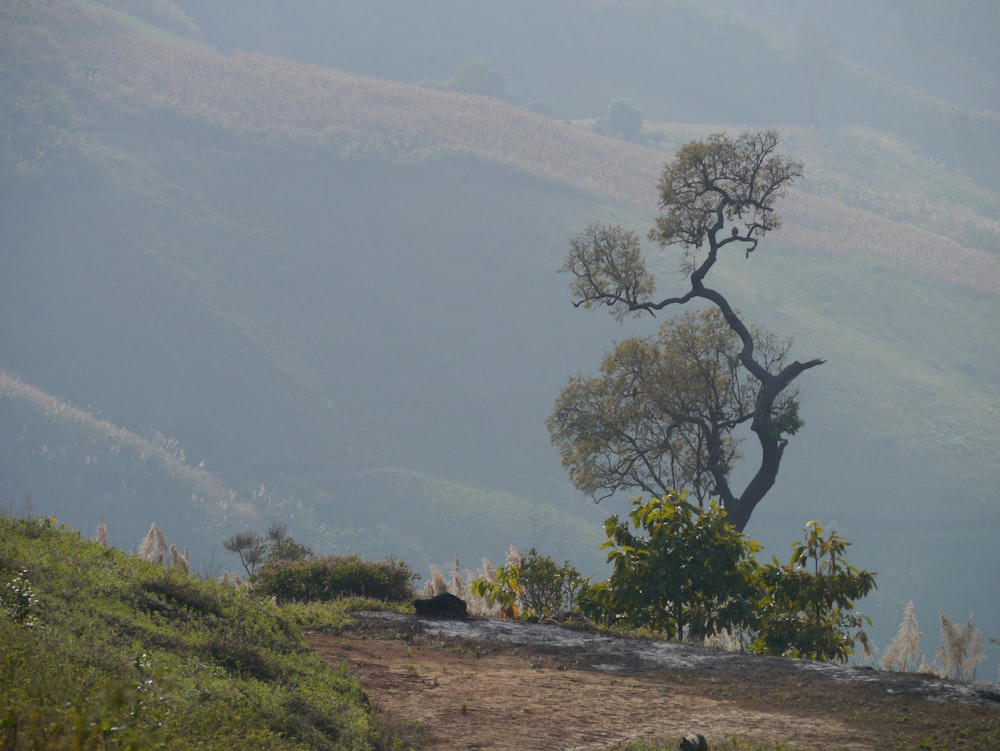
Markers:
(681, 573)
(808, 606)
(531, 586)
(547, 588)
(476, 76)
(255, 549)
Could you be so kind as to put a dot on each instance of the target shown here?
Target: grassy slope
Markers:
(126, 654)
(301, 314)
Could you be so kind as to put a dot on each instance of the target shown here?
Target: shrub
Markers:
(808, 606)
(333, 577)
(529, 586)
(548, 588)
(681, 573)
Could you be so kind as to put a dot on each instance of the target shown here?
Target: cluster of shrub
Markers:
(688, 575)
(678, 572)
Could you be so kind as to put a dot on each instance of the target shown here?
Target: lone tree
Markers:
(663, 412)
(624, 118)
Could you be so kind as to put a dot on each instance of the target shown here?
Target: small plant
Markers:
(529, 586)
(548, 588)
(677, 572)
(502, 588)
(808, 606)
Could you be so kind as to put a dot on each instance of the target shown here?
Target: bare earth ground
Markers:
(446, 686)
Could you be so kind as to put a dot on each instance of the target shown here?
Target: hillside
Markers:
(335, 293)
(104, 651)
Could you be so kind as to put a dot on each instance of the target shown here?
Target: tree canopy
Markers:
(624, 118)
(717, 193)
(663, 410)
(682, 575)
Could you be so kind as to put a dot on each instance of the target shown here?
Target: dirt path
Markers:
(445, 693)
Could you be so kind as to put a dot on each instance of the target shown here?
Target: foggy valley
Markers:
(298, 262)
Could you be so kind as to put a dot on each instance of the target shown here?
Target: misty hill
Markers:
(926, 72)
(338, 292)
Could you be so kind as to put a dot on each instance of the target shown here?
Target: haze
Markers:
(297, 261)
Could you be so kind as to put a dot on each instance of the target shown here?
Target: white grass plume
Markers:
(489, 573)
(962, 649)
(102, 533)
(153, 545)
(902, 652)
(177, 560)
(513, 558)
(438, 585)
(459, 588)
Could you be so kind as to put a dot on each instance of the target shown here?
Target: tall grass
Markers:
(962, 649)
(901, 655)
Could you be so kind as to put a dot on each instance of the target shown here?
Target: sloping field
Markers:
(357, 116)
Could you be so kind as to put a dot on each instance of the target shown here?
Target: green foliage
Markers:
(663, 410)
(681, 573)
(808, 606)
(719, 180)
(535, 586)
(547, 588)
(333, 616)
(505, 591)
(334, 577)
(17, 598)
(255, 549)
(117, 653)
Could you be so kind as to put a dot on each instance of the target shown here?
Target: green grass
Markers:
(103, 651)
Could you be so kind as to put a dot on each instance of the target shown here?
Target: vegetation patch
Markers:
(123, 653)
(334, 577)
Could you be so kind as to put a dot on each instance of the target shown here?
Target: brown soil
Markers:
(443, 692)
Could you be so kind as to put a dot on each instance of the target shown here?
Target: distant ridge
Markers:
(109, 439)
(363, 117)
